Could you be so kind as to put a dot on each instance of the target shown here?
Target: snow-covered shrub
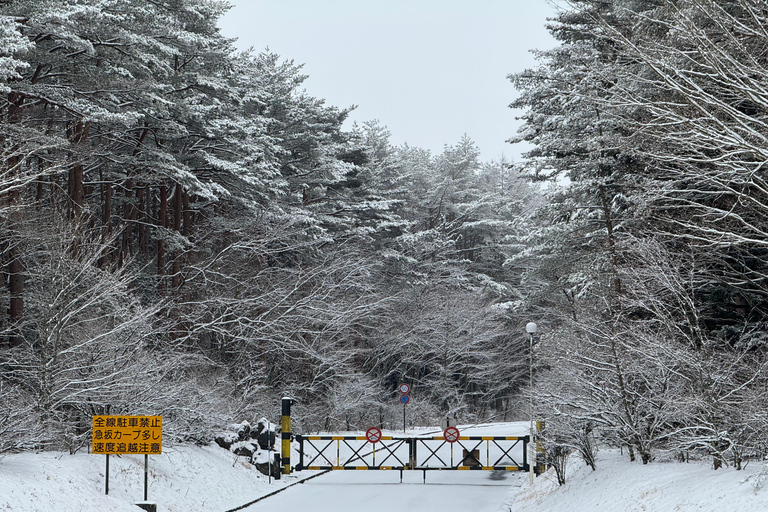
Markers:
(557, 457)
(758, 479)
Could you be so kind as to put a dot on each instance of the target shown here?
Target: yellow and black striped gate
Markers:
(505, 453)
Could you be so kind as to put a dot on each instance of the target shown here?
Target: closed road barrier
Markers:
(506, 453)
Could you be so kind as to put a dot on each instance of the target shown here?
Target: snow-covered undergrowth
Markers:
(621, 486)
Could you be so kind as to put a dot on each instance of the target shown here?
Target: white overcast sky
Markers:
(430, 70)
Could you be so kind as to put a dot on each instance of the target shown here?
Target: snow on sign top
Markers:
(404, 388)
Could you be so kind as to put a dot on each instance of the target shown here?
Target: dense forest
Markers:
(187, 232)
(651, 274)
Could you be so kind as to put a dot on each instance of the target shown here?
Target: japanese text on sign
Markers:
(141, 435)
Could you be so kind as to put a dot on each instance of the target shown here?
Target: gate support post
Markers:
(526, 448)
(285, 435)
(301, 453)
(540, 453)
(412, 458)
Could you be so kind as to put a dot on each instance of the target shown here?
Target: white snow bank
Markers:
(621, 486)
(202, 479)
(181, 479)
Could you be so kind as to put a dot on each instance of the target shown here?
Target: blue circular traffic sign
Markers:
(404, 399)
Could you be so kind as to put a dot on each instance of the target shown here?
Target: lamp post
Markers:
(531, 328)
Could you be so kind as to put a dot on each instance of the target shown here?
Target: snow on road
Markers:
(381, 491)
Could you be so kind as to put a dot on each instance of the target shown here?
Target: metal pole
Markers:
(301, 453)
(403, 418)
(532, 462)
(540, 466)
(106, 483)
(285, 435)
(146, 474)
(269, 453)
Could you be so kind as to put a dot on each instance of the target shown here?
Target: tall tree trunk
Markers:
(177, 208)
(12, 256)
(78, 135)
(607, 214)
(143, 198)
(128, 215)
(187, 215)
(162, 222)
(130, 212)
(106, 220)
(15, 273)
(39, 193)
(177, 213)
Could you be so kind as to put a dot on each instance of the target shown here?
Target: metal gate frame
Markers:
(326, 459)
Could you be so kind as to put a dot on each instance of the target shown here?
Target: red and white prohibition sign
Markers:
(373, 435)
(451, 434)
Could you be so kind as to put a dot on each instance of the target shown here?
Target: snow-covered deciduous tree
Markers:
(654, 247)
(89, 346)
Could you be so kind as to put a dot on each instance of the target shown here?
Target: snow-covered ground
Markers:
(381, 491)
(192, 479)
(181, 479)
(621, 486)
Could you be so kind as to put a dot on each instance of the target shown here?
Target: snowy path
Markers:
(381, 491)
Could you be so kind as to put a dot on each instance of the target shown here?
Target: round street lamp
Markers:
(531, 328)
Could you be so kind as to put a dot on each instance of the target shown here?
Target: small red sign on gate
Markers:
(451, 434)
(373, 435)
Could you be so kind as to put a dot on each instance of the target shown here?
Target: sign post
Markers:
(373, 435)
(404, 399)
(127, 435)
(451, 435)
(269, 454)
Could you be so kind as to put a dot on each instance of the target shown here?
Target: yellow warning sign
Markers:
(141, 435)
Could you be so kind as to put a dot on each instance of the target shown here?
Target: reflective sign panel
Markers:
(141, 435)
